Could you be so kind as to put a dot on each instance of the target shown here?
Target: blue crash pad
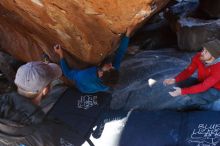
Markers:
(166, 128)
(80, 111)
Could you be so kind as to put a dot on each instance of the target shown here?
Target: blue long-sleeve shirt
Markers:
(87, 80)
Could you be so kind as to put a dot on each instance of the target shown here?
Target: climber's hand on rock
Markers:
(176, 92)
(169, 81)
(58, 50)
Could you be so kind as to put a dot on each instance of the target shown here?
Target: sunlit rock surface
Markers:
(88, 29)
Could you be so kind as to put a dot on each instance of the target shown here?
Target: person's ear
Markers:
(45, 91)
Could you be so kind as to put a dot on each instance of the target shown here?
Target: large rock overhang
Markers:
(87, 29)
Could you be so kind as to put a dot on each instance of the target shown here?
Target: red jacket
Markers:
(208, 76)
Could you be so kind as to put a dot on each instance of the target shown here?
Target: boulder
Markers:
(87, 29)
(180, 10)
(195, 32)
(156, 34)
(191, 25)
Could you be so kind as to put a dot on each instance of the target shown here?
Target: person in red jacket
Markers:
(207, 65)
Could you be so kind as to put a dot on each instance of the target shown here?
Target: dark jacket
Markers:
(17, 108)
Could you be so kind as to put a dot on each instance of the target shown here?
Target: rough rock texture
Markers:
(192, 26)
(195, 32)
(156, 34)
(178, 11)
(88, 29)
(211, 8)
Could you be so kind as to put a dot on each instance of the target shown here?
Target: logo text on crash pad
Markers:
(205, 135)
(87, 101)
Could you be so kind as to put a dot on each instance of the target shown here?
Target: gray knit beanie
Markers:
(213, 47)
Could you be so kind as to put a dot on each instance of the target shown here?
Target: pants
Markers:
(199, 100)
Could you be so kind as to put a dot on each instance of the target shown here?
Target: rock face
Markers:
(156, 34)
(192, 26)
(87, 29)
(178, 11)
(195, 32)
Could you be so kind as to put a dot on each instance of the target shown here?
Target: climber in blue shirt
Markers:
(98, 79)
